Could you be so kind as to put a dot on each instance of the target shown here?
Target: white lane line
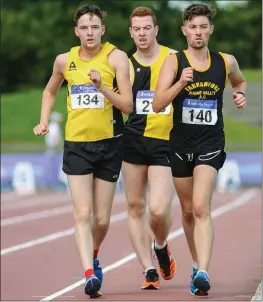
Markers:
(41, 214)
(258, 293)
(44, 214)
(36, 215)
(35, 200)
(57, 235)
(239, 201)
(53, 236)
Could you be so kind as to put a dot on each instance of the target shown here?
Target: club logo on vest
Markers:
(72, 66)
(202, 89)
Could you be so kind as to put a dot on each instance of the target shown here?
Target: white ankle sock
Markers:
(159, 247)
(147, 269)
(195, 265)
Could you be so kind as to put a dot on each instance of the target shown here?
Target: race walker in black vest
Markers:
(193, 80)
(198, 128)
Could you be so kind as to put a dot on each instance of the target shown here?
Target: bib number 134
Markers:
(86, 96)
(200, 112)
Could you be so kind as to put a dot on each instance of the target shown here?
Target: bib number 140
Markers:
(199, 116)
(202, 116)
(199, 112)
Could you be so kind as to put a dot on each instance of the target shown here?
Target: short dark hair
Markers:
(198, 10)
(89, 9)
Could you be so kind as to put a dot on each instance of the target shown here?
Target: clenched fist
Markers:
(240, 100)
(41, 129)
(187, 75)
(95, 77)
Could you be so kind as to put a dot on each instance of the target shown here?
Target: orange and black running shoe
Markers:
(151, 280)
(166, 262)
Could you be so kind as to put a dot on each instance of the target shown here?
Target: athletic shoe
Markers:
(92, 286)
(151, 280)
(193, 290)
(201, 282)
(97, 269)
(96, 295)
(166, 262)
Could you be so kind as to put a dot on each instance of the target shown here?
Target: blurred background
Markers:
(35, 32)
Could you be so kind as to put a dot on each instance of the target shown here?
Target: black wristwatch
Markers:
(241, 93)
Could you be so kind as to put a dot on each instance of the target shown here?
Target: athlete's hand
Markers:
(41, 129)
(240, 100)
(187, 75)
(95, 77)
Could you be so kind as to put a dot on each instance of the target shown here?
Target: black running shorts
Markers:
(102, 158)
(183, 164)
(141, 150)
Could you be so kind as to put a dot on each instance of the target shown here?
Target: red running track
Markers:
(40, 260)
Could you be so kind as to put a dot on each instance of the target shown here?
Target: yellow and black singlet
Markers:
(143, 120)
(91, 117)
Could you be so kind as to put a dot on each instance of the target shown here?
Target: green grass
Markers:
(20, 112)
(242, 136)
(252, 75)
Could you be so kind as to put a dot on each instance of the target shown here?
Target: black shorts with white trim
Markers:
(183, 164)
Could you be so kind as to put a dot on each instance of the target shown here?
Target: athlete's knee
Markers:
(136, 208)
(82, 214)
(159, 211)
(201, 212)
(188, 215)
(101, 222)
(187, 209)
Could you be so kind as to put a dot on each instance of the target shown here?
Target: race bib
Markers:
(144, 99)
(86, 96)
(200, 112)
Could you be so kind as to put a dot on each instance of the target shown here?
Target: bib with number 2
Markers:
(86, 96)
(144, 99)
(199, 112)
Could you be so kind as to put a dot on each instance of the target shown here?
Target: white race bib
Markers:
(199, 112)
(86, 96)
(144, 99)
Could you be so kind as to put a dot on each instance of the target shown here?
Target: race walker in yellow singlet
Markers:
(91, 117)
(99, 90)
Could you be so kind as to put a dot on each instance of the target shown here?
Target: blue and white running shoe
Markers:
(193, 289)
(92, 286)
(97, 269)
(201, 282)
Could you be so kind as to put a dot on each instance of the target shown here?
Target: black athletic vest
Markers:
(197, 119)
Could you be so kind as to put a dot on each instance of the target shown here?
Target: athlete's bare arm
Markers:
(122, 100)
(53, 86)
(165, 92)
(49, 93)
(237, 81)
